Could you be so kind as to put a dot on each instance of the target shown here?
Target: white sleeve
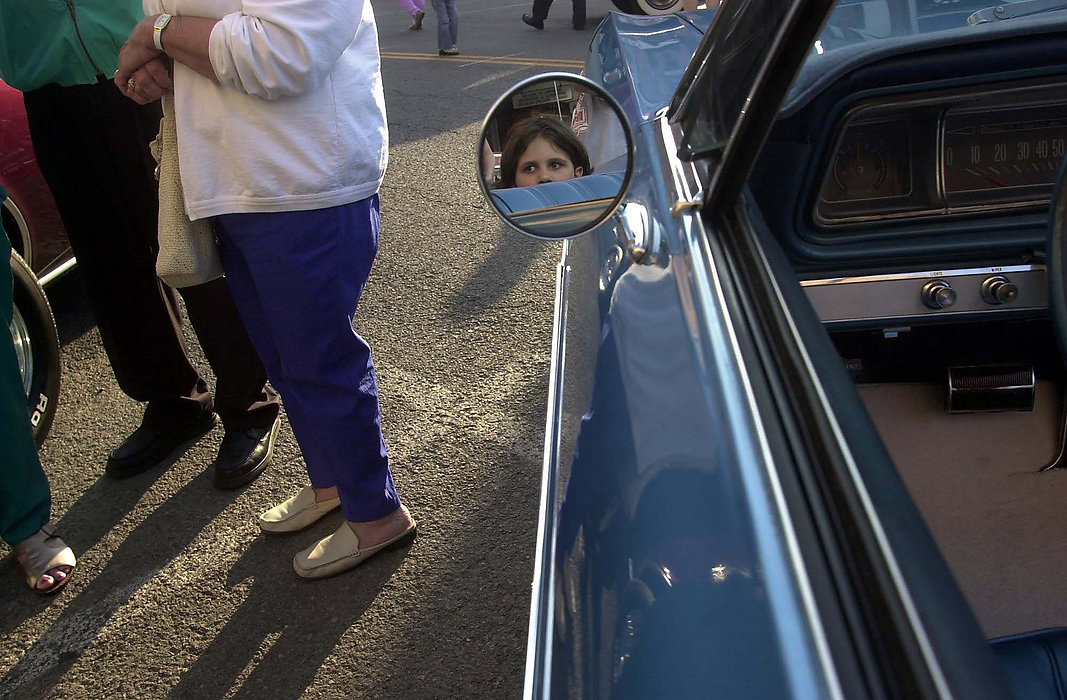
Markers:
(279, 48)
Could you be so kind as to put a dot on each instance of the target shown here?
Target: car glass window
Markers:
(725, 69)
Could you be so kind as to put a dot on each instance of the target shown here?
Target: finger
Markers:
(157, 72)
(144, 86)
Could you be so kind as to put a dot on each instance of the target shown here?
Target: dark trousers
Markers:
(92, 147)
(540, 11)
(297, 278)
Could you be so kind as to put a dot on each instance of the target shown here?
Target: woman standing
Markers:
(283, 143)
(447, 27)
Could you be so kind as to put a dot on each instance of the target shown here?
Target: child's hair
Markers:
(552, 130)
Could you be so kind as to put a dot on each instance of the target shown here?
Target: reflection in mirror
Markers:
(554, 157)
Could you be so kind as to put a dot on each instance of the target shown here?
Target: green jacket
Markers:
(66, 42)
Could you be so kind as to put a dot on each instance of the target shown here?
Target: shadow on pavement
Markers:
(306, 617)
(82, 527)
(148, 549)
(497, 275)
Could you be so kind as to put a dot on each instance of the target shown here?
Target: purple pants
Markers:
(410, 6)
(296, 278)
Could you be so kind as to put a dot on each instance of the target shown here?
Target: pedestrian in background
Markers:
(293, 89)
(25, 498)
(539, 13)
(417, 10)
(92, 148)
(447, 27)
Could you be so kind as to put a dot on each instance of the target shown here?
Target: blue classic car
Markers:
(804, 414)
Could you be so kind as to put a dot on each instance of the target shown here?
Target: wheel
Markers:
(649, 7)
(659, 7)
(627, 6)
(33, 330)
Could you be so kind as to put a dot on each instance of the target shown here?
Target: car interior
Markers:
(911, 187)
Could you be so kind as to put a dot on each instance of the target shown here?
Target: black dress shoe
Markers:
(148, 447)
(244, 454)
(533, 21)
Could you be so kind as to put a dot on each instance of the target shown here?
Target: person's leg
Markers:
(444, 34)
(91, 146)
(408, 6)
(309, 269)
(25, 498)
(242, 397)
(453, 22)
(578, 14)
(245, 293)
(540, 9)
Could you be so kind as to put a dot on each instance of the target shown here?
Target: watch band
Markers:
(157, 34)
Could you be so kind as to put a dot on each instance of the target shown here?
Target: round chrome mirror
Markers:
(555, 156)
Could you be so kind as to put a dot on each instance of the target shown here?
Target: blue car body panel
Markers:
(666, 583)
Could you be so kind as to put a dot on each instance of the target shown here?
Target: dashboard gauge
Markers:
(1010, 154)
(859, 169)
(872, 161)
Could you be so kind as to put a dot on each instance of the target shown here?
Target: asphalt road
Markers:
(177, 594)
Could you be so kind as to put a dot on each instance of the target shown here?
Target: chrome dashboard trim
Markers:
(897, 297)
(1006, 269)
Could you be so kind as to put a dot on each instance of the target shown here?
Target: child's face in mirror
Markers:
(542, 162)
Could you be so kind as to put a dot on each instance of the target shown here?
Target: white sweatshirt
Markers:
(298, 121)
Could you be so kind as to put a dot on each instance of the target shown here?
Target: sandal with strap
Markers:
(44, 554)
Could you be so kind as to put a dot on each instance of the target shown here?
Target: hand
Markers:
(149, 82)
(136, 53)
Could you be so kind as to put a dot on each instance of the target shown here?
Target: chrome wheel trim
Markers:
(20, 336)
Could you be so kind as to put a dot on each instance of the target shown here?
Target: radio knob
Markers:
(938, 295)
(998, 290)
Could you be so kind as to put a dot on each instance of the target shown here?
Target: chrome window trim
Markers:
(708, 292)
(889, 556)
(537, 683)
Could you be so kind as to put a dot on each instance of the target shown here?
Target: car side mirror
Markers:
(555, 156)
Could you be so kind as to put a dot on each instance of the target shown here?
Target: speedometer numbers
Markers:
(1004, 155)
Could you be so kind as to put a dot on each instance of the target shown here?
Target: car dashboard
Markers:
(917, 175)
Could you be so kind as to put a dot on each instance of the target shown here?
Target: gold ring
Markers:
(131, 84)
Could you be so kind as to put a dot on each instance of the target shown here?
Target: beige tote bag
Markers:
(188, 254)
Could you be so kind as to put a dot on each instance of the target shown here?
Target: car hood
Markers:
(640, 60)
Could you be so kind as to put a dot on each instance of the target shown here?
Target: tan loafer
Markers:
(341, 552)
(296, 513)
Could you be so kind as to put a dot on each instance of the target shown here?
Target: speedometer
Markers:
(1003, 155)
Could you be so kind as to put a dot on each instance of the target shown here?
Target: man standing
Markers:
(539, 13)
(92, 147)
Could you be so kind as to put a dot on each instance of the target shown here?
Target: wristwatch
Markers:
(161, 23)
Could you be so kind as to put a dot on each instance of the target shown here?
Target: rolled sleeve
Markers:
(275, 49)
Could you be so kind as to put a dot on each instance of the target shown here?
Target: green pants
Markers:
(25, 500)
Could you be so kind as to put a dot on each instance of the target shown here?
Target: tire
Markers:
(628, 6)
(33, 330)
(649, 7)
